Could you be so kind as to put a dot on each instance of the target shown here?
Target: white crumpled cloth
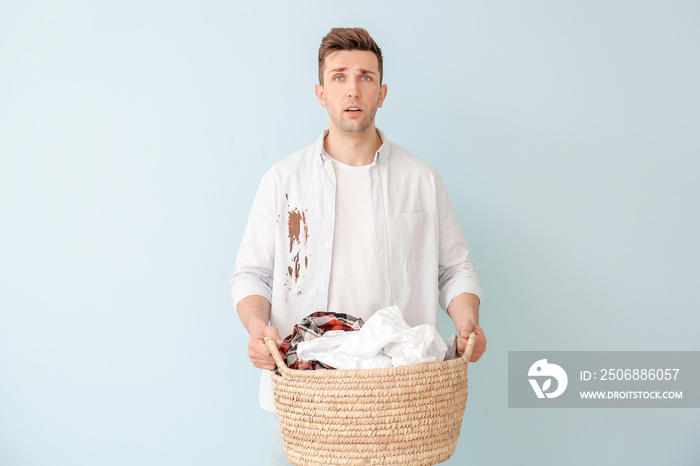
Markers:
(385, 340)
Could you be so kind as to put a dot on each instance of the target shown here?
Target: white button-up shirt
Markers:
(287, 248)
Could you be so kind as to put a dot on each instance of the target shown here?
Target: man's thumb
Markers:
(466, 330)
(273, 333)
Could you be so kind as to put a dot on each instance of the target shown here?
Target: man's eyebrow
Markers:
(345, 68)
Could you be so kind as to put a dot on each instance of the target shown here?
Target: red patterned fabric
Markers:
(311, 327)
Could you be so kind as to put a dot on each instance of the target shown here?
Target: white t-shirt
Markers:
(353, 285)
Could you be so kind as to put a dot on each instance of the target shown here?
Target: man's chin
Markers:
(355, 127)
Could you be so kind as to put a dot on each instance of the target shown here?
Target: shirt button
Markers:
(324, 284)
(330, 207)
(327, 245)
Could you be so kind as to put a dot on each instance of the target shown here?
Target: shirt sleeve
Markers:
(255, 262)
(456, 270)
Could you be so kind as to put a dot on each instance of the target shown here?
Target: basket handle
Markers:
(467, 355)
(279, 360)
(276, 355)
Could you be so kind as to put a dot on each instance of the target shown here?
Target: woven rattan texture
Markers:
(409, 416)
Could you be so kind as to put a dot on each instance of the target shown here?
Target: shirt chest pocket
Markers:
(417, 233)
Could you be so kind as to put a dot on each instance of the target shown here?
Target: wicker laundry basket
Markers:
(406, 416)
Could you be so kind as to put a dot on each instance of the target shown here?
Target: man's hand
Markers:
(257, 351)
(464, 311)
(467, 328)
(254, 312)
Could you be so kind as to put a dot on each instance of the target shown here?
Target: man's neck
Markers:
(352, 149)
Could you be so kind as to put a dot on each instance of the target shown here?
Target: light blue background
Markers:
(132, 139)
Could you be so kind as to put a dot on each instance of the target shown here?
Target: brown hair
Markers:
(347, 39)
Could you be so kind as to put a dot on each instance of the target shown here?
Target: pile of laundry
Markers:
(325, 340)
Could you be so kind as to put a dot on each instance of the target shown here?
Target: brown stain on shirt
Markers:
(296, 224)
(297, 267)
(306, 228)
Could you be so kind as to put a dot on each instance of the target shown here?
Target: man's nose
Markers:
(353, 90)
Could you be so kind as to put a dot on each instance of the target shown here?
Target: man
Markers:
(352, 223)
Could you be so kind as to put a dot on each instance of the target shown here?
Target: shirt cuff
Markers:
(463, 285)
(243, 290)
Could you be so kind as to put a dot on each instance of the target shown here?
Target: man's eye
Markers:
(338, 78)
(366, 78)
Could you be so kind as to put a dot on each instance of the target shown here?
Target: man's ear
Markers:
(382, 95)
(318, 89)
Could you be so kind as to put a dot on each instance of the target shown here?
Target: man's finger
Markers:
(468, 327)
(273, 333)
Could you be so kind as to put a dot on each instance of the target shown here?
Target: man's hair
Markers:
(347, 39)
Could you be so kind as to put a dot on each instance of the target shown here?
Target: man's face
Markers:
(351, 91)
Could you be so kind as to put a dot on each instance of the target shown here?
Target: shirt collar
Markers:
(380, 156)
